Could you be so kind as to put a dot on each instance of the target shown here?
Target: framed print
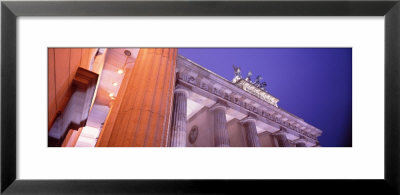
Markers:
(106, 95)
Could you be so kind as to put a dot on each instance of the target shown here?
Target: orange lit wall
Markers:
(140, 115)
(62, 66)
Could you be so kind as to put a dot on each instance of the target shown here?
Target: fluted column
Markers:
(179, 119)
(221, 137)
(300, 144)
(250, 130)
(143, 115)
(282, 140)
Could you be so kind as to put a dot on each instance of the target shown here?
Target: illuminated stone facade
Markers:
(242, 105)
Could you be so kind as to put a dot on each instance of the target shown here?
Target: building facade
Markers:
(124, 97)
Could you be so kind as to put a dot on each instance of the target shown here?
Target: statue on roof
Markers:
(248, 78)
(263, 85)
(257, 83)
(237, 71)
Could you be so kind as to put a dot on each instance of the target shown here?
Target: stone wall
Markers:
(204, 123)
(236, 133)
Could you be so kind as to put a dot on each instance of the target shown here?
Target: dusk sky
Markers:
(314, 84)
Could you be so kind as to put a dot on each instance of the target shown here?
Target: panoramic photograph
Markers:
(199, 97)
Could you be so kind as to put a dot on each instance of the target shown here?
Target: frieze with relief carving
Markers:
(256, 88)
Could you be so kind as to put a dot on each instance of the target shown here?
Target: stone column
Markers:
(221, 137)
(300, 144)
(250, 130)
(179, 118)
(282, 140)
(142, 117)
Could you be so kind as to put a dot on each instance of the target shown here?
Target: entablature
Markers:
(214, 85)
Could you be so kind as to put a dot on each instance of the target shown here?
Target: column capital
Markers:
(179, 119)
(181, 88)
(249, 125)
(300, 139)
(281, 138)
(300, 144)
(248, 119)
(221, 136)
(218, 106)
(280, 132)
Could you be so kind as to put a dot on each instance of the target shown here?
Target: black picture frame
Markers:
(10, 10)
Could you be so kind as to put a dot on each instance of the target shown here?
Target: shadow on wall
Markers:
(76, 112)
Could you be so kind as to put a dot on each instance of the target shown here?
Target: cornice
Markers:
(206, 80)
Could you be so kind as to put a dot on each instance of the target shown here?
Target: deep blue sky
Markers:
(312, 83)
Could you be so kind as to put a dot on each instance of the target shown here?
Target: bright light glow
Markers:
(111, 96)
(114, 83)
(120, 71)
